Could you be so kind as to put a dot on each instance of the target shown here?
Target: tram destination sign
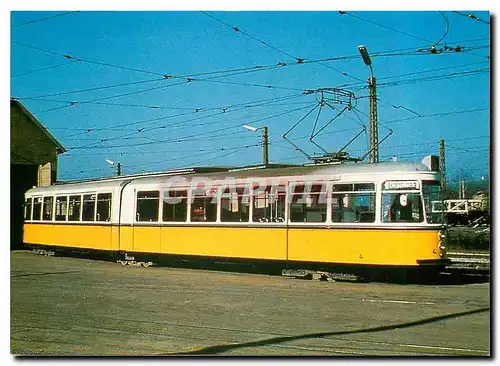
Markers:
(401, 184)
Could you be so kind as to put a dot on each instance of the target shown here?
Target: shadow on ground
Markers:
(218, 349)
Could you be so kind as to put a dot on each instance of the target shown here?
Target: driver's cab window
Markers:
(402, 207)
(402, 202)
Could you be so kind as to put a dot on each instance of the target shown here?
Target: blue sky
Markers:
(423, 97)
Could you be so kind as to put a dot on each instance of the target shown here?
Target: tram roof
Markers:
(300, 170)
(220, 173)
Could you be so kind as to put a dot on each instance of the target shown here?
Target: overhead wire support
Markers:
(445, 32)
(471, 16)
(432, 49)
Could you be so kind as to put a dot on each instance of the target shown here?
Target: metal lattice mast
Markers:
(442, 165)
(373, 120)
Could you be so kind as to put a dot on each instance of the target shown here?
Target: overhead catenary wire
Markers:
(299, 60)
(44, 19)
(43, 69)
(225, 152)
(182, 140)
(429, 78)
(222, 111)
(164, 87)
(383, 26)
(192, 136)
(437, 115)
(253, 69)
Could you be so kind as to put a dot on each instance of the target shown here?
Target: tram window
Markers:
(148, 203)
(103, 207)
(74, 208)
(61, 208)
(308, 204)
(269, 204)
(235, 205)
(354, 187)
(203, 206)
(37, 208)
(88, 208)
(27, 208)
(48, 206)
(175, 206)
(353, 202)
(402, 207)
(433, 201)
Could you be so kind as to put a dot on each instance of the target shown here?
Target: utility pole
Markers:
(442, 165)
(461, 184)
(265, 144)
(373, 106)
(265, 141)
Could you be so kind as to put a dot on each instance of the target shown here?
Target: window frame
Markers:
(215, 192)
(52, 210)
(163, 203)
(374, 192)
(81, 207)
(325, 188)
(30, 200)
(39, 219)
(158, 206)
(279, 192)
(95, 206)
(420, 198)
(245, 193)
(110, 217)
(55, 207)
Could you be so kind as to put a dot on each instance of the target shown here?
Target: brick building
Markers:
(33, 162)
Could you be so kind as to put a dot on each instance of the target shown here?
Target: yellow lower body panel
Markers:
(99, 237)
(231, 242)
(403, 247)
(363, 246)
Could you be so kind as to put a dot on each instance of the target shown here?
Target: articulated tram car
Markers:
(352, 217)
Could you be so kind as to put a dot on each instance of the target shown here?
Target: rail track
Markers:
(469, 264)
(470, 260)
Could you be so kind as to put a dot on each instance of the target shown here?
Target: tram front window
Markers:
(402, 207)
(433, 199)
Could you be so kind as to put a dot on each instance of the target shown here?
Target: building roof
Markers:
(15, 103)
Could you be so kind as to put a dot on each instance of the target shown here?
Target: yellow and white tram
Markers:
(351, 216)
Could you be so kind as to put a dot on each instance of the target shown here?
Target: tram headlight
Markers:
(442, 243)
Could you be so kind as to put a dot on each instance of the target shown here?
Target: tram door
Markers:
(146, 229)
